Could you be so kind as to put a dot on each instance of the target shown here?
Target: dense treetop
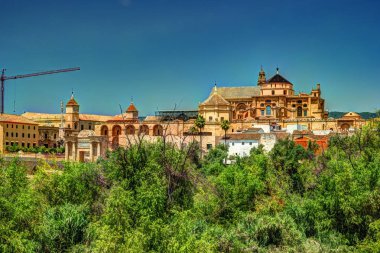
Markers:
(158, 198)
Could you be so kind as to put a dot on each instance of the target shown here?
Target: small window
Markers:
(304, 105)
(6, 143)
(55, 136)
(233, 144)
(272, 92)
(28, 135)
(210, 118)
(221, 118)
(34, 135)
(242, 143)
(7, 125)
(28, 145)
(34, 127)
(209, 146)
(11, 134)
(23, 127)
(6, 134)
(299, 101)
(268, 101)
(23, 135)
(293, 105)
(284, 92)
(89, 127)
(16, 126)
(23, 144)
(262, 105)
(28, 127)
(81, 127)
(46, 136)
(262, 112)
(12, 125)
(16, 134)
(34, 144)
(305, 113)
(250, 144)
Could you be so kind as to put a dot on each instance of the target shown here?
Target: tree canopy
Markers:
(155, 197)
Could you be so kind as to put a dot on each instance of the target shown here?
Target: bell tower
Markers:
(262, 79)
(72, 113)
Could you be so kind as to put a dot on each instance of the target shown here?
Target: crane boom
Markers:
(42, 73)
(3, 78)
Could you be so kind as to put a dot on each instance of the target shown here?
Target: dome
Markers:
(86, 133)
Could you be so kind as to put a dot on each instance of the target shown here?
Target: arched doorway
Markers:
(144, 129)
(345, 127)
(130, 129)
(158, 130)
(104, 130)
(116, 130)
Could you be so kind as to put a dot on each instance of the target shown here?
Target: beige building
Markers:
(272, 103)
(17, 130)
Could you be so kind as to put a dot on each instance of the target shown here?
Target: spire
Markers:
(277, 70)
(215, 88)
(262, 79)
(72, 93)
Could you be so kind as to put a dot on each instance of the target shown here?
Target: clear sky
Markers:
(167, 53)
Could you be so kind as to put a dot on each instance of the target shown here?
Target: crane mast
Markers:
(3, 78)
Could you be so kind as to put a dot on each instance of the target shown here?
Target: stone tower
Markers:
(72, 114)
(262, 79)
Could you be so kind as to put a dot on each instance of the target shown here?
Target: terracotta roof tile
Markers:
(131, 108)
(12, 118)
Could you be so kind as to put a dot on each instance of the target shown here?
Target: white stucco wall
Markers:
(241, 147)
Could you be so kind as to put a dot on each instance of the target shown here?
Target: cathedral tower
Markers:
(72, 114)
(262, 79)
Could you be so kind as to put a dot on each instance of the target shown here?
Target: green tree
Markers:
(200, 124)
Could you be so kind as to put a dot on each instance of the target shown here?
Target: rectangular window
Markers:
(209, 146)
(305, 113)
(284, 92)
(11, 134)
(34, 135)
(28, 135)
(6, 143)
(28, 145)
(16, 126)
(28, 127)
(23, 127)
(23, 135)
(221, 118)
(272, 92)
(34, 128)
(81, 127)
(250, 144)
(242, 143)
(262, 112)
(22, 144)
(6, 134)
(210, 118)
(34, 144)
(16, 134)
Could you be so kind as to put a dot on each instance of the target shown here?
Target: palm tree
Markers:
(225, 124)
(200, 123)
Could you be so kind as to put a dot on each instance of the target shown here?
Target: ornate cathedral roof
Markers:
(215, 99)
(277, 78)
(239, 92)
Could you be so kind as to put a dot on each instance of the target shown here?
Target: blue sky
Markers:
(167, 53)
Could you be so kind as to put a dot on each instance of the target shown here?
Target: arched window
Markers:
(299, 111)
(268, 110)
